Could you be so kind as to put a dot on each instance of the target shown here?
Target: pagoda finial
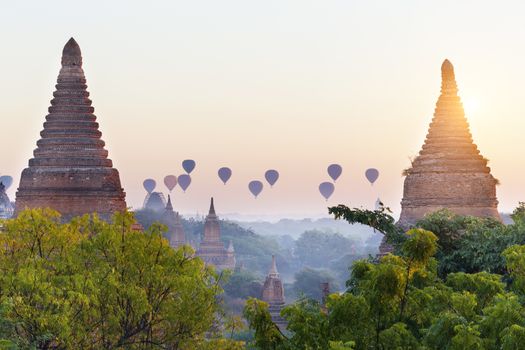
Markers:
(169, 207)
(273, 268)
(71, 55)
(212, 207)
(447, 71)
(448, 79)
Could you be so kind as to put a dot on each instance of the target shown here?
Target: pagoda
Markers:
(6, 208)
(170, 218)
(449, 171)
(273, 294)
(70, 171)
(211, 248)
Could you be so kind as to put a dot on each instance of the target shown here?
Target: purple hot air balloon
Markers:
(188, 165)
(184, 181)
(326, 189)
(6, 180)
(149, 185)
(271, 176)
(170, 181)
(334, 170)
(255, 187)
(372, 174)
(224, 174)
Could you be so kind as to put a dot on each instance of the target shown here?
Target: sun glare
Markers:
(471, 106)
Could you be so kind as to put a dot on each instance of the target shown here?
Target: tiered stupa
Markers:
(6, 208)
(175, 232)
(211, 248)
(449, 171)
(70, 171)
(155, 201)
(273, 294)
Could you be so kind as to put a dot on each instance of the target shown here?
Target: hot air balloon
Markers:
(6, 180)
(271, 176)
(326, 189)
(372, 174)
(255, 187)
(188, 165)
(224, 174)
(149, 185)
(184, 181)
(334, 170)
(170, 181)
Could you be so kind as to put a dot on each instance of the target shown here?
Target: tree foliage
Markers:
(380, 220)
(410, 301)
(320, 249)
(90, 284)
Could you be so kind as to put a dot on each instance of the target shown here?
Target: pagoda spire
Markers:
(169, 207)
(273, 268)
(212, 208)
(70, 170)
(449, 171)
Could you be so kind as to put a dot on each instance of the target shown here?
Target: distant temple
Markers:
(70, 171)
(155, 201)
(449, 171)
(211, 248)
(273, 294)
(170, 218)
(6, 208)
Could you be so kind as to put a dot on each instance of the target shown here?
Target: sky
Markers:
(258, 85)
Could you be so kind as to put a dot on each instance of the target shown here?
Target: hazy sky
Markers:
(254, 85)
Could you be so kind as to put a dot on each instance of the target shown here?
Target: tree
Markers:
(243, 284)
(471, 244)
(379, 220)
(95, 285)
(267, 334)
(318, 249)
(308, 282)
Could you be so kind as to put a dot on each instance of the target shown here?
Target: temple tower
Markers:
(175, 233)
(273, 294)
(449, 171)
(6, 208)
(70, 171)
(211, 248)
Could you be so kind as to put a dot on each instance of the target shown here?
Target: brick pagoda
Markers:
(70, 171)
(211, 248)
(273, 294)
(449, 172)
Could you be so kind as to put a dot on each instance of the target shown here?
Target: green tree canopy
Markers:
(90, 284)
